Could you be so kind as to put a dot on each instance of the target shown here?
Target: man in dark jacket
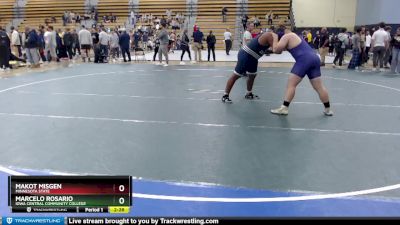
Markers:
(68, 42)
(4, 50)
(124, 41)
(31, 44)
(211, 44)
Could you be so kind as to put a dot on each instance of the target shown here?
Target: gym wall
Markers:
(374, 11)
(325, 13)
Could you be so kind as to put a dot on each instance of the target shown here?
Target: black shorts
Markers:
(86, 47)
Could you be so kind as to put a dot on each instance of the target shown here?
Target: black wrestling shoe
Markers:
(226, 99)
(251, 96)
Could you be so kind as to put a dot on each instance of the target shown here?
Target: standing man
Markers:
(197, 43)
(185, 46)
(228, 41)
(114, 45)
(368, 40)
(323, 45)
(68, 42)
(104, 40)
(124, 41)
(224, 12)
(86, 41)
(211, 40)
(380, 43)
(31, 45)
(50, 44)
(164, 42)
(15, 42)
(4, 50)
(340, 47)
(247, 34)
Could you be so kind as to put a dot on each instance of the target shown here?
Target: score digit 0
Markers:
(121, 200)
(121, 188)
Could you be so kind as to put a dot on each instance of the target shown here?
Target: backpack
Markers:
(337, 43)
(4, 39)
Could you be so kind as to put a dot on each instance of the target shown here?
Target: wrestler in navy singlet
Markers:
(248, 57)
(307, 61)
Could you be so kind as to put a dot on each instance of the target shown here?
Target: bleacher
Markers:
(260, 8)
(118, 8)
(37, 11)
(6, 12)
(209, 17)
(159, 7)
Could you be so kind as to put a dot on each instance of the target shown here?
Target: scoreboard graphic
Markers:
(73, 194)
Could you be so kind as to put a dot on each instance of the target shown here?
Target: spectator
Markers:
(75, 45)
(247, 34)
(309, 37)
(68, 42)
(104, 41)
(363, 40)
(211, 40)
(114, 45)
(61, 49)
(395, 42)
(15, 42)
(156, 47)
(269, 17)
(172, 42)
(164, 42)
(42, 44)
(368, 40)
(197, 43)
(78, 18)
(4, 50)
(256, 21)
(168, 13)
(31, 44)
(124, 41)
(50, 44)
(355, 61)
(340, 44)
(133, 18)
(388, 52)
(86, 41)
(185, 46)
(224, 13)
(145, 40)
(228, 41)
(245, 18)
(323, 45)
(380, 42)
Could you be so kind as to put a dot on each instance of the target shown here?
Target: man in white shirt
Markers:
(228, 41)
(15, 42)
(86, 41)
(368, 40)
(247, 34)
(50, 44)
(104, 40)
(380, 42)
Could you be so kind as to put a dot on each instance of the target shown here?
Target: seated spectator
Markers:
(175, 25)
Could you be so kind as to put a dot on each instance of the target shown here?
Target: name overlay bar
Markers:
(42, 193)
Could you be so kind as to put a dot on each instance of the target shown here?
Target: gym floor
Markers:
(168, 127)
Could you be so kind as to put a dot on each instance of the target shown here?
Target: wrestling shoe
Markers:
(226, 99)
(283, 110)
(328, 112)
(251, 96)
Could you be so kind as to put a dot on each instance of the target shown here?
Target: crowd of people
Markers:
(378, 42)
(165, 34)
